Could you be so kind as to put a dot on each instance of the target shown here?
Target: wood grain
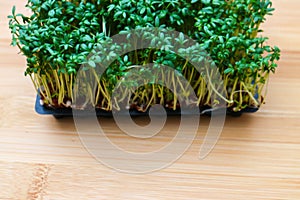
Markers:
(257, 156)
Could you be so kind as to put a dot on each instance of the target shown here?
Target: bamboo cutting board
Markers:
(257, 156)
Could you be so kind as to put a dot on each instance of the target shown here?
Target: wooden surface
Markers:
(257, 156)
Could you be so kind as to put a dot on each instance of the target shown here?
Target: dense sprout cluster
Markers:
(60, 35)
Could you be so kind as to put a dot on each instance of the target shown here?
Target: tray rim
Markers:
(67, 112)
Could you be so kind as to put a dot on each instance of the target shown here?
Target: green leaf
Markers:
(51, 13)
(143, 10)
(221, 39)
(125, 58)
(92, 63)
(14, 10)
(156, 21)
(111, 7)
(87, 38)
(206, 29)
(229, 71)
(205, 1)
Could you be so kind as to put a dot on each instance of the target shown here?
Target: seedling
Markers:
(60, 35)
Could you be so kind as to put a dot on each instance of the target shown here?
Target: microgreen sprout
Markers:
(60, 35)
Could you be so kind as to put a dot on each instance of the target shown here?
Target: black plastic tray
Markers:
(67, 112)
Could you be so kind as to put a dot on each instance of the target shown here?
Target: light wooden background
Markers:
(257, 156)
